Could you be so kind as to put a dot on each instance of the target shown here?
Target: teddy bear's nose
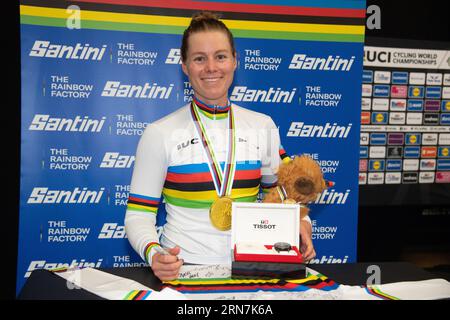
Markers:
(304, 186)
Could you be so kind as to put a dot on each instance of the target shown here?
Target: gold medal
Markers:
(220, 213)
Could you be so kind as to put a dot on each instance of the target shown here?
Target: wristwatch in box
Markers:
(282, 246)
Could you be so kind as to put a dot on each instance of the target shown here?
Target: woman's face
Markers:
(210, 66)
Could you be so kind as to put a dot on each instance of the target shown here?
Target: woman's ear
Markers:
(184, 68)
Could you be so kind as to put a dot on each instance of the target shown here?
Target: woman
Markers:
(199, 156)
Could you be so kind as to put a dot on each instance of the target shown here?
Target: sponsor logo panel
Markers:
(362, 178)
(412, 138)
(443, 177)
(379, 118)
(364, 138)
(445, 106)
(363, 165)
(446, 81)
(400, 77)
(412, 152)
(382, 77)
(393, 165)
(378, 138)
(434, 79)
(395, 138)
(446, 92)
(415, 105)
(414, 118)
(415, 92)
(444, 138)
(428, 152)
(381, 91)
(363, 151)
(375, 178)
(399, 91)
(393, 178)
(426, 177)
(376, 165)
(377, 152)
(445, 119)
(432, 105)
(366, 90)
(366, 104)
(398, 105)
(367, 76)
(411, 165)
(444, 152)
(431, 119)
(417, 78)
(427, 164)
(397, 118)
(433, 92)
(380, 104)
(410, 177)
(429, 138)
(395, 152)
(443, 164)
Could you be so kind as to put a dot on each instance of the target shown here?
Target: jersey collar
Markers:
(212, 111)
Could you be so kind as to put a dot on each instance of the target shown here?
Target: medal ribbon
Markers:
(223, 180)
(282, 193)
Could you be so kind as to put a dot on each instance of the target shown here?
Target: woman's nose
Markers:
(211, 65)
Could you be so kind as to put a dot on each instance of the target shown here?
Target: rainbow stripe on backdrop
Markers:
(192, 186)
(193, 286)
(323, 20)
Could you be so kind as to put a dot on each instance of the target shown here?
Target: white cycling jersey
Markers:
(170, 161)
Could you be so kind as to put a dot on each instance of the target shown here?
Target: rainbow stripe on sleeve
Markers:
(137, 202)
(147, 249)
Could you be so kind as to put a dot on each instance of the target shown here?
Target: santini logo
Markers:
(116, 160)
(241, 93)
(46, 196)
(77, 52)
(300, 129)
(43, 122)
(331, 63)
(42, 264)
(148, 91)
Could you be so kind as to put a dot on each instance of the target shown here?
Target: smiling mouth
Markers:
(212, 79)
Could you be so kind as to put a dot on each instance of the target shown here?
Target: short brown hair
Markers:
(204, 21)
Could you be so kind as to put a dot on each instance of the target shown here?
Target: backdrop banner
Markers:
(95, 73)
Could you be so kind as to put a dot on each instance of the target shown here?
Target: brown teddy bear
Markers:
(300, 180)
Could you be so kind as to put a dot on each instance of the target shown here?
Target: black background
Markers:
(383, 231)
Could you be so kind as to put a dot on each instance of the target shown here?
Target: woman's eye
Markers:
(199, 59)
(221, 57)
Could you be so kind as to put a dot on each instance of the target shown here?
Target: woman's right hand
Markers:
(167, 267)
